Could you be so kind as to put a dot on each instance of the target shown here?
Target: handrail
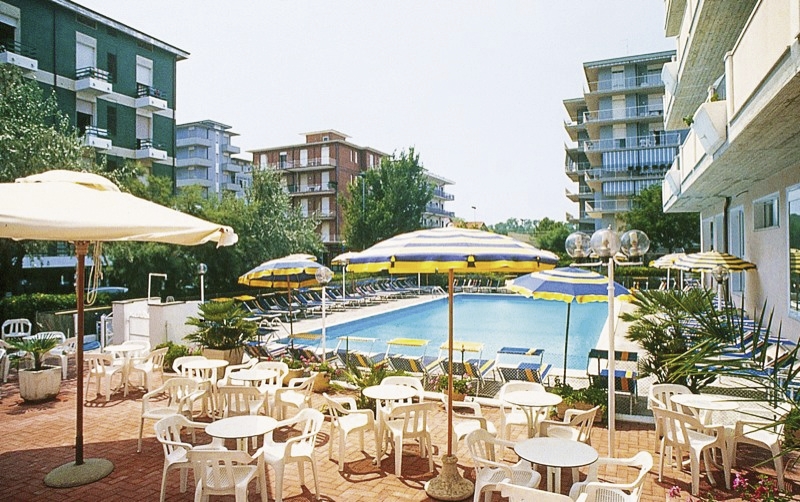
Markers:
(92, 72)
(315, 162)
(95, 131)
(18, 48)
(143, 90)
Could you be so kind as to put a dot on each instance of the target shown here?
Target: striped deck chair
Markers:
(357, 351)
(626, 374)
(473, 367)
(526, 372)
(306, 346)
(418, 365)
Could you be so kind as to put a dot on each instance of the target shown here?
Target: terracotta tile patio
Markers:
(37, 438)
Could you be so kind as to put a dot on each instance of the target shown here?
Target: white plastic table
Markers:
(252, 376)
(531, 401)
(241, 427)
(704, 405)
(556, 453)
(382, 394)
(124, 351)
(206, 368)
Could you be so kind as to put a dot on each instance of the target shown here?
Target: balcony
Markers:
(315, 189)
(95, 137)
(751, 135)
(307, 165)
(149, 98)
(626, 114)
(430, 208)
(194, 161)
(193, 141)
(649, 82)
(598, 208)
(92, 82)
(19, 55)
(228, 148)
(707, 31)
(441, 194)
(650, 141)
(326, 215)
(146, 149)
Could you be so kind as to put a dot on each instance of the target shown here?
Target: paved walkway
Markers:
(37, 438)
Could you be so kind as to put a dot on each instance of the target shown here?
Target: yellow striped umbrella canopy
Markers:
(451, 250)
(667, 261)
(462, 250)
(709, 260)
(292, 271)
(794, 260)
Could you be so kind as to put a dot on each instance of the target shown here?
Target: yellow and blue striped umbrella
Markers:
(462, 250)
(451, 250)
(568, 284)
(709, 260)
(292, 271)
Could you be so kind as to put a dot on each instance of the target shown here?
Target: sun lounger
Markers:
(467, 367)
(357, 351)
(418, 365)
(626, 373)
(306, 347)
(521, 363)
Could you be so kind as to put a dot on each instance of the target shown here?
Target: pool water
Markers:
(495, 320)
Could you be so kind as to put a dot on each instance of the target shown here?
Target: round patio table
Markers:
(531, 401)
(556, 453)
(241, 428)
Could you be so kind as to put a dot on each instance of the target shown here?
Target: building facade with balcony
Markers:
(436, 215)
(203, 157)
(316, 173)
(618, 145)
(736, 79)
(115, 83)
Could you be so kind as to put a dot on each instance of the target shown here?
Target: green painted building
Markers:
(115, 83)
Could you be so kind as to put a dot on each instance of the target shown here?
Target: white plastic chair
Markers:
(490, 472)
(576, 426)
(511, 415)
(602, 491)
(297, 449)
(177, 364)
(516, 493)
(227, 380)
(404, 422)
(464, 423)
(5, 364)
(151, 366)
(102, 368)
(16, 328)
(180, 392)
(63, 352)
(3, 360)
(660, 396)
(226, 472)
(270, 386)
(408, 381)
(764, 432)
(238, 400)
(296, 395)
(50, 354)
(686, 433)
(346, 418)
(168, 432)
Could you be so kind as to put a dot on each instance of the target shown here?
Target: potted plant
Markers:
(296, 369)
(580, 399)
(461, 387)
(41, 382)
(222, 330)
(325, 371)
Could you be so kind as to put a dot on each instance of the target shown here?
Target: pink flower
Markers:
(739, 482)
(675, 491)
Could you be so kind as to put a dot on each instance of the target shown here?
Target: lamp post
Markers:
(605, 243)
(363, 177)
(202, 268)
(323, 275)
(720, 275)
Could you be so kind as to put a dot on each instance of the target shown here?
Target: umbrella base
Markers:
(69, 475)
(449, 485)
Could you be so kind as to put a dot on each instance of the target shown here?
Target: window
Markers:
(111, 120)
(765, 212)
(111, 60)
(793, 198)
(736, 244)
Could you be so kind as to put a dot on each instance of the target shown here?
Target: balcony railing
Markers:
(575, 167)
(143, 90)
(96, 131)
(438, 192)
(311, 188)
(96, 138)
(609, 206)
(437, 210)
(191, 174)
(142, 144)
(606, 85)
(623, 113)
(295, 164)
(95, 73)
(326, 214)
(664, 139)
(18, 48)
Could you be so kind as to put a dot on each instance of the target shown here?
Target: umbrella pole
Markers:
(612, 374)
(79, 473)
(291, 323)
(449, 484)
(566, 343)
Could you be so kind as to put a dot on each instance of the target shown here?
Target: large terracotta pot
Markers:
(293, 373)
(322, 382)
(40, 385)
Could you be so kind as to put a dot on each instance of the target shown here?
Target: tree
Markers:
(550, 235)
(386, 201)
(267, 225)
(514, 225)
(34, 137)
(670, 231)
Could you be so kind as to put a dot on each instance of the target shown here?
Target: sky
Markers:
(475, 87)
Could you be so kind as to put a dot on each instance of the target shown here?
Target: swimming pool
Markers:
(495, 320)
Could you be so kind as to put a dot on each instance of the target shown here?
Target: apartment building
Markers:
(115, 83)
(315, 173)
(435, 214)
(618, 143)
(735, 78)
(203, 157)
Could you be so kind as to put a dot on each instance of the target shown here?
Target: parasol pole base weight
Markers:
(69, 475)
(449, 485)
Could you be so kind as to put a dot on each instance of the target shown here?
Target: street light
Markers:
(323, 275)
(606, 243)
(202, 268)
(363, 177)
(720, 275)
